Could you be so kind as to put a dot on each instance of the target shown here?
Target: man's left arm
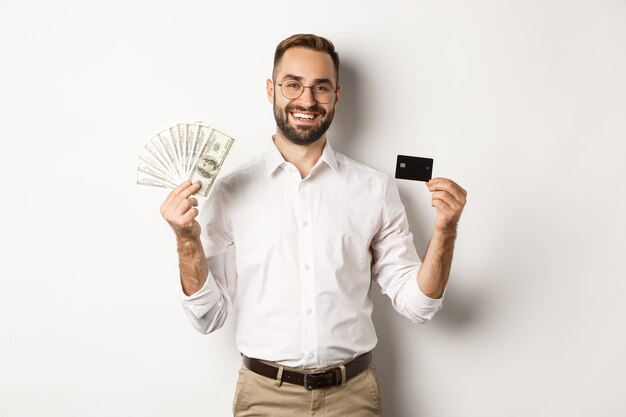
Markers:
(449, 199)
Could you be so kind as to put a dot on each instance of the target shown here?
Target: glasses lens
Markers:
(292, 89)
(323, 92)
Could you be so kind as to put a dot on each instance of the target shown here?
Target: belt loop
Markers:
(343, 375)
(279, 376)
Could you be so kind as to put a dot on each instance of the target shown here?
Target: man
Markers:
(293, 239)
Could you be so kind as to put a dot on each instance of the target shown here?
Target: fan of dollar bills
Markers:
(194, 151)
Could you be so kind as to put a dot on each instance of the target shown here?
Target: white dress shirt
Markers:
(296, 258)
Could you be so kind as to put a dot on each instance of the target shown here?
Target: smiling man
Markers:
(293, 239)
(313, 113)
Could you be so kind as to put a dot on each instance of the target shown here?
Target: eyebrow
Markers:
(299, 78)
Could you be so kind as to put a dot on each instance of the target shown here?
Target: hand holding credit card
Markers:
(414, 168)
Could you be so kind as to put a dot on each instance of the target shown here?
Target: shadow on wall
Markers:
(399, 339)
(347, 122)
(458, 312)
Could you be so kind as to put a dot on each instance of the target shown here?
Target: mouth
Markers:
(304, 117)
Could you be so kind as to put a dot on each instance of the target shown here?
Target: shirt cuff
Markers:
(200, 302)
(421, 304)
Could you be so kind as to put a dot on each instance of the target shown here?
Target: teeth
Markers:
(303, 116)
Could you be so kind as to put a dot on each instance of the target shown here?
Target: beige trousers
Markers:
(259, 396)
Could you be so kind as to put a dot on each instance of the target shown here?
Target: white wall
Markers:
(522, 102)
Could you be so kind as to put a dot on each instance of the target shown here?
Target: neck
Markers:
(303, 157)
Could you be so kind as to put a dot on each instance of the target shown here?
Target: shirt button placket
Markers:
(307, 275)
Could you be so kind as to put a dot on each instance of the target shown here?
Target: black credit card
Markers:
(414, 168)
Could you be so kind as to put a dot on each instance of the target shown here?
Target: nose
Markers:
(307, 96)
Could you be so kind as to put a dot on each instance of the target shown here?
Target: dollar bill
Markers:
(166, 141)
(148, 171)
(209, 162)
(188, 132)
(194, 151)
(155, 155)
(148, 180)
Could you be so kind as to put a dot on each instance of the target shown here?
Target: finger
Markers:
(444, 184)
(189, 217)
(186, 192)
(172, 195)
(194, 201)
(442, 205)
(190, 190)
(440, 183)
(448, 198)
(183, 207)
(445, 210)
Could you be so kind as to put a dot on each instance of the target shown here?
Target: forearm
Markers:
(435, 270)
(194, 269)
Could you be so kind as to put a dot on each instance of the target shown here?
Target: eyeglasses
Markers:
(322, 93)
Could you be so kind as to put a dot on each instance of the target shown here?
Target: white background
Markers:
(521, 102)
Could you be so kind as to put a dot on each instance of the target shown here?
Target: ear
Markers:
(337, 94)
(269, 86)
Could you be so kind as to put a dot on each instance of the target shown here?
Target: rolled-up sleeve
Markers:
(208, 308)
(395, 262)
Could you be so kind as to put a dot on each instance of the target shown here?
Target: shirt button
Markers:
(305, 224)
(306, 267)
(311, 355)
(308, 311)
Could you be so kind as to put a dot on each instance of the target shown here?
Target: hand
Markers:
(449, 199)
(179, 209)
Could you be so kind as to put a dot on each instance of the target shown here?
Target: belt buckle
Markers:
(307, 378)
(307, 381)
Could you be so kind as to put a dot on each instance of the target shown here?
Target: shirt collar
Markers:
(274, 159)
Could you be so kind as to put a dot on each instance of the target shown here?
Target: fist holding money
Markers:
(179, 209)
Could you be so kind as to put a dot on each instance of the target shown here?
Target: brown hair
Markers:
(310, 41)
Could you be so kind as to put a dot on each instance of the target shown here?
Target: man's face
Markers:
(303, 120)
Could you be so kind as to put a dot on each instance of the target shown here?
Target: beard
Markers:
(302, 135)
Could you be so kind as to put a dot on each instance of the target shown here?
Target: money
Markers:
(194, 151)
(211, 158)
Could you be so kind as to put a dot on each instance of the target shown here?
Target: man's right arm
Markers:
(208, 273)
(193, 266)
(179, 209)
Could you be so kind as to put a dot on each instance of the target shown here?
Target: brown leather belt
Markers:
(310, 381)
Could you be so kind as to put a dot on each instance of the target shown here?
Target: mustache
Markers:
(297, 107)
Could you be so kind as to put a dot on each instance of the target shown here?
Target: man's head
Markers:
(304, 89)
(309, 41)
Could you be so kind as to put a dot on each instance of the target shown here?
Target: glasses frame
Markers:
(302, 92)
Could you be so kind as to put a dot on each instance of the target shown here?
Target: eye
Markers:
(323, 88)
(292, 85)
